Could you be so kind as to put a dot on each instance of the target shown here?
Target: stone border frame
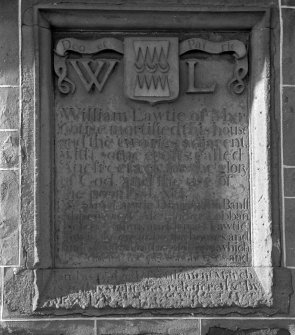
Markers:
(255, 21)
(37, 200)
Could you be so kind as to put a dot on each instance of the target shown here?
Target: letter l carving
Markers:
(191, 79)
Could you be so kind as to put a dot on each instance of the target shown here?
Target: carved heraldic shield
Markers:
(151, 69)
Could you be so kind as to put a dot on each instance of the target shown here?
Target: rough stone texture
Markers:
(289, 182)
(157, 327)
(143, 289)
(18, 292)
(288, 46)
(9, 69)
(267, 331)
(290, 231)
(9, 108)
(9, 149)
(289, 125)
(238, 326)
(47, 328)
(9, 217)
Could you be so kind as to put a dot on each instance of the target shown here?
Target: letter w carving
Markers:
(90, 77)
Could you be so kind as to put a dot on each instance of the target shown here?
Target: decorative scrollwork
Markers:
(64, 84)
(237, 84)
(84, 47)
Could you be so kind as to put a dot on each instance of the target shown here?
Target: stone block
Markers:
(159, 327)
(290, 231)
(288, 16)
(9, 108)
(247, 327)
(289, 125)
(9, 214)
(289, 182)
(9, 48)
(9, 149)
(292, 298)
(47, 327)
(18, 291)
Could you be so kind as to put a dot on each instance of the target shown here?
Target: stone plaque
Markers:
(152, 182)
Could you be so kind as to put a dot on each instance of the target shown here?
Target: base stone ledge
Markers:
(110, 290)
(148, 291)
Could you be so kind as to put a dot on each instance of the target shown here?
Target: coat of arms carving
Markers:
(151, 65)
(151, 69)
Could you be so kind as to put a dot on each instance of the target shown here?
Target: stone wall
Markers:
(17, 70)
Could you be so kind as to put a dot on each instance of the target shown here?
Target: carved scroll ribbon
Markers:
(64, 46)
(87, 46)
(236, 84)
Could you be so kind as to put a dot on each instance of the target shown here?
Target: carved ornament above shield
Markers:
(151, 68)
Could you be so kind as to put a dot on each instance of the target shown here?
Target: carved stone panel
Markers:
(153, 184)
(145, 184)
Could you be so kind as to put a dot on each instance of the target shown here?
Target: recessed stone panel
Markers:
(146, 182)
(153, 178)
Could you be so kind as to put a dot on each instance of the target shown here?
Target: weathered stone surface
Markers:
(245, 326)
(76, 290)
(288, 125)
(9, 217)
(288, 16)
(290, 231)
(9, 149)
(289, 182)
(18, 291)
(47, 327)
(155, 185)
(267, 331)
(28, 148)
(9, 108)
(159, 327)
(9, 69)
